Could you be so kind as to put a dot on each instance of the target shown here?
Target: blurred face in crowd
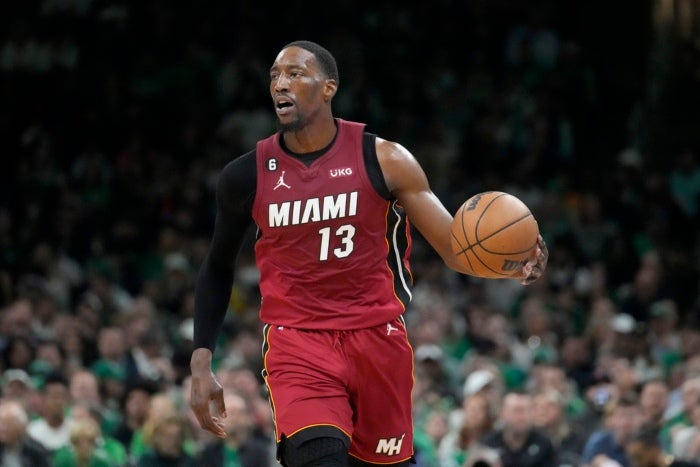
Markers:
(238, 420)
(534, 318)
(516, 413)
(551, 377)
(71, 341)
(20, 353)
(695, 416)
(137, 403)
(84, 434)
(623, 375)
(241, 380)
(574, 352)
(161, 406)
(111, 343)
(690, 394)
(50, 353)
(54, 402)
(17, 319)
(547, 410)
(477, 413)
(601, 311)
(654, 400)
(17, 390)
(690, 347)
(436, 425)
(84, 387)
(623, 421)
(168, 438)
(81, 411)
(113, 388)
(691, 367)
(13, 423)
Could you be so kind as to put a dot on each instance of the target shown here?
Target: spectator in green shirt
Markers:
(85, 448)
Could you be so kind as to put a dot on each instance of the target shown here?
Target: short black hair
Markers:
(139, 383)
(324, 57)
(146, 385)
(56, 377)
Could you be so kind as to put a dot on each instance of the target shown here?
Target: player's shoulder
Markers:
(240, 165)
(238, 171)
(400, 169)
(391, 151)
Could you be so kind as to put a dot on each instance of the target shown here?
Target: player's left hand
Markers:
(534, 268)
(205, 392)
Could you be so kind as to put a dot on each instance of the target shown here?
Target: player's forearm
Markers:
(212, 295)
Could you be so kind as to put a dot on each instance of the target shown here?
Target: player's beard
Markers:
(297, 123)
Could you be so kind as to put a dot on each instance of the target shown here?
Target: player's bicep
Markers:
(402, 172)
(408, 183)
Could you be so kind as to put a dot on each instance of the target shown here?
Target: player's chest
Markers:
(285, 178)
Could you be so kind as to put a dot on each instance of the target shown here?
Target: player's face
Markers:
(298, 88)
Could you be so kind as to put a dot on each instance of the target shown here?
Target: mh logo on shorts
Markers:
(390, 446)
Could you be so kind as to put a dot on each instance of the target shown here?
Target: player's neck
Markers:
(311, 138)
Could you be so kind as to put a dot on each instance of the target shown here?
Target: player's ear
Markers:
(329, 89)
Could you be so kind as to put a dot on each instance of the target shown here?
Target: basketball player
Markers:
(332, 204)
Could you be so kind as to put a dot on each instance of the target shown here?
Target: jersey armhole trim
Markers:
(374, 170)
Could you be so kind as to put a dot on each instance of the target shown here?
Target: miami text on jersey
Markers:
(312, 209)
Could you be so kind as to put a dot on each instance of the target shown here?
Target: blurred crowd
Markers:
(116, 118)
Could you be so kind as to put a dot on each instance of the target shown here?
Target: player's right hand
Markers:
(205, 390)
(535, 267)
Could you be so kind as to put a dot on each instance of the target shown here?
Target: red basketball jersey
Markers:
(332, 253)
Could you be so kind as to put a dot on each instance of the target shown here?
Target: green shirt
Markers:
(66, 457)
(231, 458)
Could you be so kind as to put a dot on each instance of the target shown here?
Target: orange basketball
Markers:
(493, 234)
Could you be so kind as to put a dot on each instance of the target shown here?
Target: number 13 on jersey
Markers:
(345, 233)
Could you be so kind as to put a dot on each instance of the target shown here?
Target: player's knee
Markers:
(315, 452)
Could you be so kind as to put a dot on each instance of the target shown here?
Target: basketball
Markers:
(494, 234)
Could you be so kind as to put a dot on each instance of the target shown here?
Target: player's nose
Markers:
(282, 82)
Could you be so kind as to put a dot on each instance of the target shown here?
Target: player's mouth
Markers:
(283, 106)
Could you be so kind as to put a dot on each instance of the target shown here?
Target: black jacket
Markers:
(32, 454)
(537, 451)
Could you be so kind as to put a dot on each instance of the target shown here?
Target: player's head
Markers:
(326, 60)
(303, 80)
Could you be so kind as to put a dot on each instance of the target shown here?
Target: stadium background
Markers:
(115, 118)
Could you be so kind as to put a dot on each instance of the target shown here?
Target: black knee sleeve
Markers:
(315, 452)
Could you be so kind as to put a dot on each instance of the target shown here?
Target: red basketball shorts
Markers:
(357, 381)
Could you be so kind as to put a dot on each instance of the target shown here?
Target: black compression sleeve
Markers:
(235, 193)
